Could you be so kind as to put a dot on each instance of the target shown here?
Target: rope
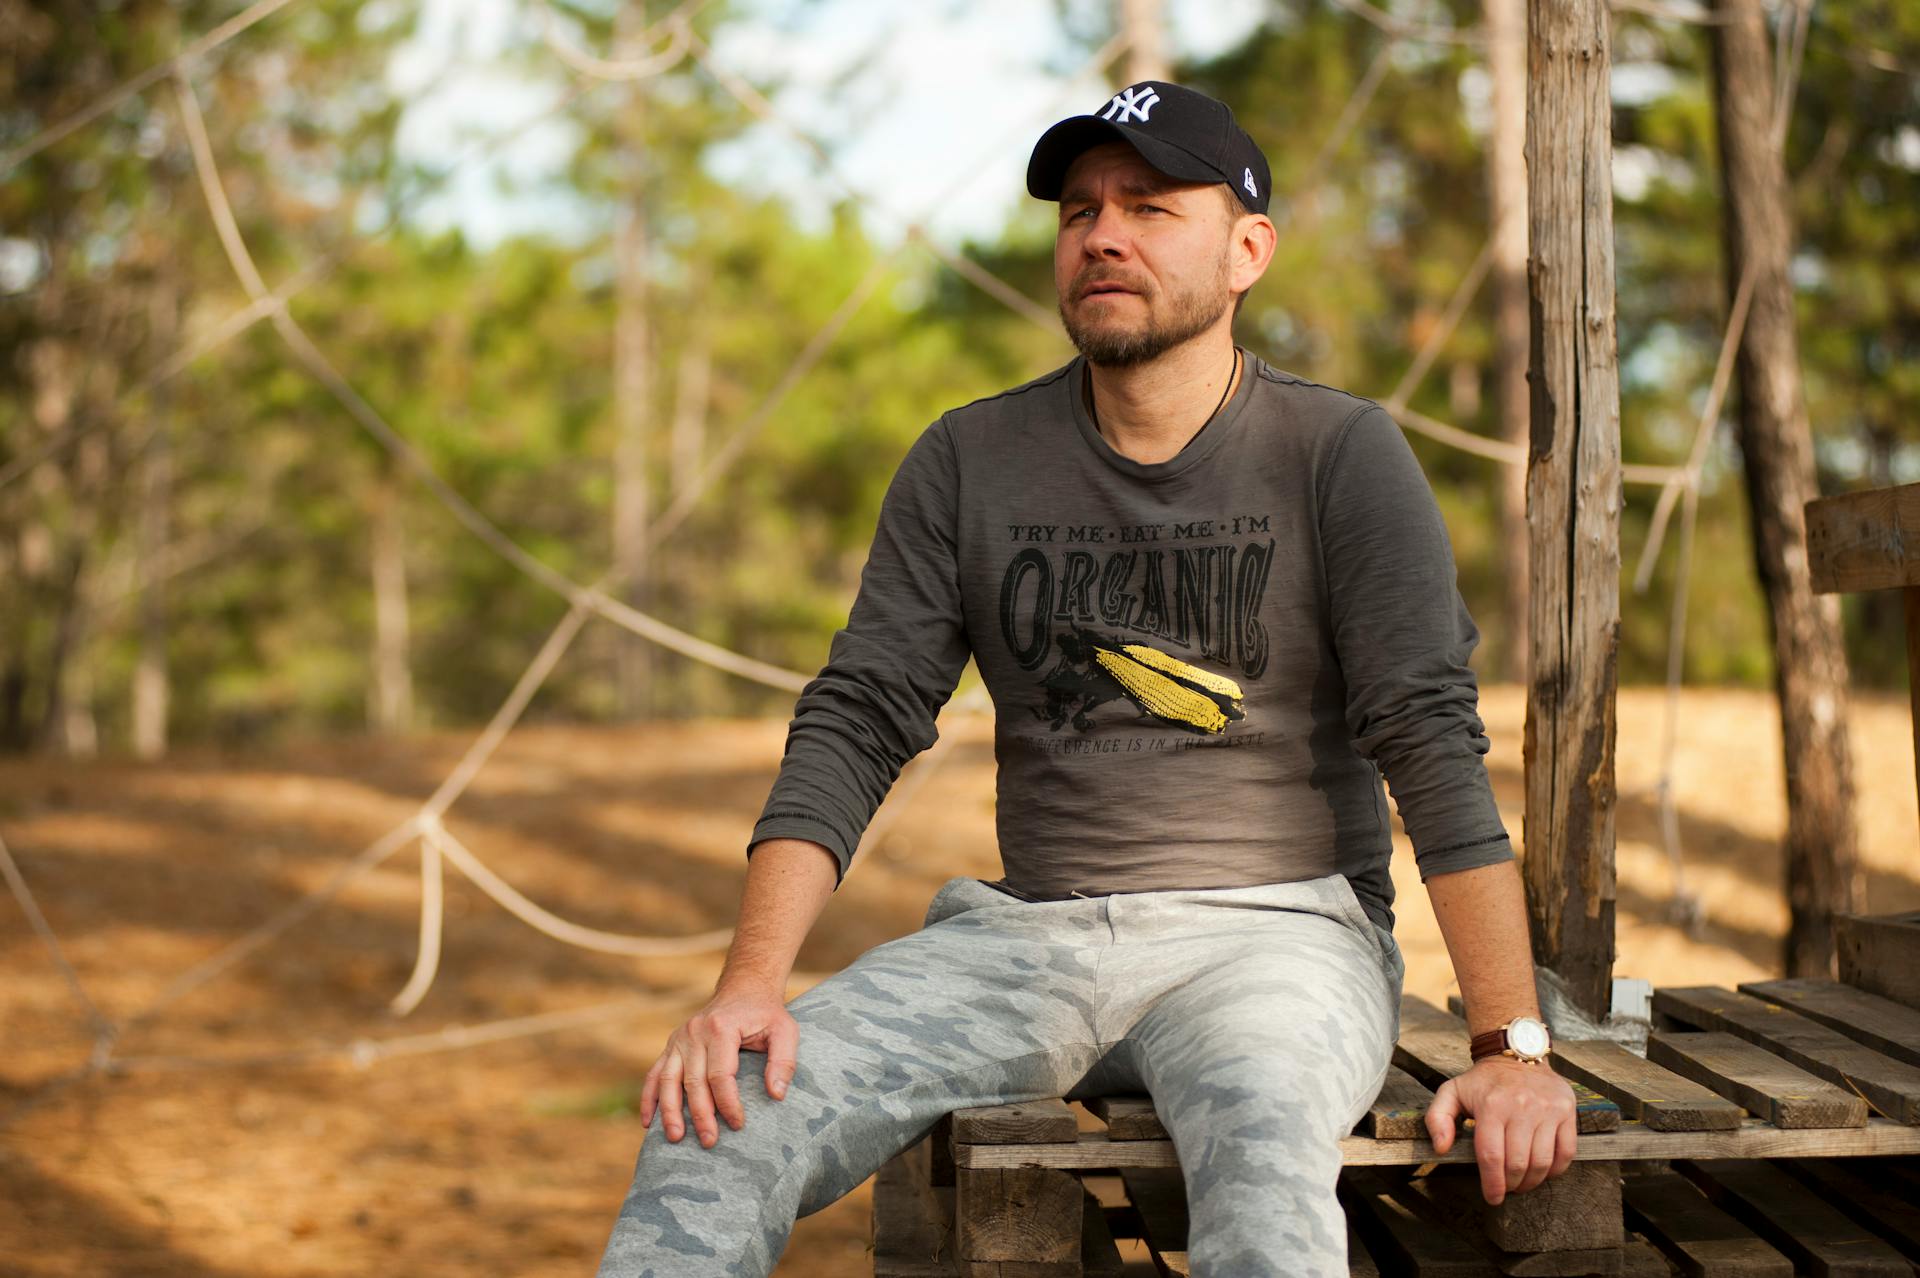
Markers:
(443, 797)
(245, 317)
(624, 70)
(1463, 293)
(364, 1053)
(553, 925)
(97, 1022)
(315, 362)
(139, 83)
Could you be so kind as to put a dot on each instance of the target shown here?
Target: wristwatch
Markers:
(1523, 1038)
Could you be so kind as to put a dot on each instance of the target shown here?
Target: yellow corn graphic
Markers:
(1181, 670)
(1161, 696)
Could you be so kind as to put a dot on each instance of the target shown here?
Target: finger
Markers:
(1545, 1137)
(670, 1076)
(723, 1062)
(1490, 1152)
(1440, 1117)
(783, 1054)
(1566, 1137)
(1517, 1140)
(650, 1091)
(699, 1096)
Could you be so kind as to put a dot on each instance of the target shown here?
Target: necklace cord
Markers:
(1093, 409)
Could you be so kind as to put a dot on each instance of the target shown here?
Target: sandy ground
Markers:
(512, 1156)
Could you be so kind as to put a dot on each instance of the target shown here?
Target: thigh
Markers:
(972, 1009)
(1259, 1059)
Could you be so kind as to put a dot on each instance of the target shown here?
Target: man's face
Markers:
(1141, 260)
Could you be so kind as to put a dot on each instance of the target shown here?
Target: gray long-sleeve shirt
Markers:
(1201, 668)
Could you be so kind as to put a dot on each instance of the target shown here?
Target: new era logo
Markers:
(1131, 104)
(1247, 181)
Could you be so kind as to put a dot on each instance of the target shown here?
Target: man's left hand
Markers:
(1523, 1123)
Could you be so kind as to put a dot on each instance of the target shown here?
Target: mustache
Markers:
(1080, 286)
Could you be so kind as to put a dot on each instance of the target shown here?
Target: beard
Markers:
(1109, 342)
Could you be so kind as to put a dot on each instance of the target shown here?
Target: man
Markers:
(1214, 602)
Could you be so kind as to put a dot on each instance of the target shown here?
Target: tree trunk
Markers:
(1573, 499)
(1506, 25)
(632, 387)
(1776, 442)
(392, 692)
(1145, 24)
(150, 687)
(692, 396)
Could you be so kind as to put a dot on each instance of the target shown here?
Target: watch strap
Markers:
(1491, 1043)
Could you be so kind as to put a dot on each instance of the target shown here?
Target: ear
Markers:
(1250, 250)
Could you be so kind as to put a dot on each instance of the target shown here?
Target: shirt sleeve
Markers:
(1403, 636)
(872, 708)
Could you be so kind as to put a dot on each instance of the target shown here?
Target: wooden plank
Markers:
(1576, 1210)
(1026, 1123)
(1912, 594)
(1017, 1213)
(1407, 1242)
(1891, 1087)
(1813, 1233)
(1753, 1139)
(1702, 1240)
(1399, 1112)
(1159, 1194)
(1433, 1044)
(1449, 1199)
(912, 1219)
(1099, 1255)
(1880, 953)
(1864, 540)
(1360, 1261)
(1890, 1028)
(940, 1150)
(1641, 1259)
(1128, 1117)
(1592, 1112)
(1783, 1094)
(1864, 1196)
(1656, 1097)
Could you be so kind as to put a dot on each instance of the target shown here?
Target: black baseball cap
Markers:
(1181, 132)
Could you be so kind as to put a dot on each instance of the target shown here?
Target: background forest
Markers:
(198, 543)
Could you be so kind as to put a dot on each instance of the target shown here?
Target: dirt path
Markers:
(512, 1157)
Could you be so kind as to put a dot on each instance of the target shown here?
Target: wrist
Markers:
(752, 982)
(1521, 1038)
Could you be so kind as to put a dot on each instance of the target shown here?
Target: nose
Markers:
(1107, 237)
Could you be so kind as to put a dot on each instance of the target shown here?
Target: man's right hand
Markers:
(702, 1057)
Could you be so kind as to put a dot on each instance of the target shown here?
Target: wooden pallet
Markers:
(1728, 1150)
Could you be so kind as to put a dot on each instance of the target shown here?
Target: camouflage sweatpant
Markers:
(1260, 1020)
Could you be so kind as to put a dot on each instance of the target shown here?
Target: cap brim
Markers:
(1062, 144)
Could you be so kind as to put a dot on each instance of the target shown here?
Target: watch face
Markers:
(1528, 1037)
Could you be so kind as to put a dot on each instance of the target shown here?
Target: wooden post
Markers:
(1573, 499)
(1870, 540)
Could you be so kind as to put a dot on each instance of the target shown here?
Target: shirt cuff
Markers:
(1491, 850)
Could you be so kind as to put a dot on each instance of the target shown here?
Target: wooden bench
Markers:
(1728, 1150)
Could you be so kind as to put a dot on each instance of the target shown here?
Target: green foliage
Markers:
(496, 361)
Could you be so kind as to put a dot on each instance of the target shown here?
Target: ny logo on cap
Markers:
(1130, 104)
